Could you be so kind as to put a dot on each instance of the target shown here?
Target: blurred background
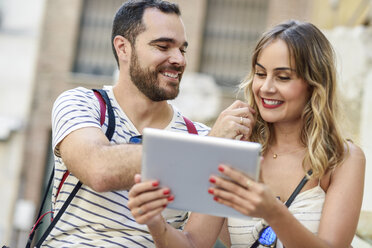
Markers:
(48, 46)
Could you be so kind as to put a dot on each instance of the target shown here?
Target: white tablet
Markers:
(183, 162)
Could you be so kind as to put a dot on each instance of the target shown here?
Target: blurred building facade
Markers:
(73, 49)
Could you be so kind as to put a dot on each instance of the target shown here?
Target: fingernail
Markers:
(215, 198)
(165, 205)
(171, 198)
(212, 180)
(155, 184)
(210, 191)
(220, 168)
(166, 192)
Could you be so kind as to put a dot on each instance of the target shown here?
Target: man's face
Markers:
(158, 56)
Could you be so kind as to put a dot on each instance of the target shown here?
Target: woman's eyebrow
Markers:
(284, 69)
(258, 64)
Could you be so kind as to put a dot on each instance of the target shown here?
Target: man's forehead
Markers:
(168, 25)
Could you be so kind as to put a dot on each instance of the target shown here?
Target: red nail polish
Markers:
(171, 198)
(155, 184)
(220, 168)
(210, 191)
(212, 180)
(215, 198)
(165, 205)
(166, 192)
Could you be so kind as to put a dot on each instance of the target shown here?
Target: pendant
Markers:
(275, 156)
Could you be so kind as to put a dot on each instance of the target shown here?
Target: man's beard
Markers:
(147, 81)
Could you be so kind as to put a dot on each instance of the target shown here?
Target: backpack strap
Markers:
(190, 126)
(60, 212)
(102, 106)
(32, 234)
(104, 101)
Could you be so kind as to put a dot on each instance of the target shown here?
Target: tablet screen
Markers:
(183, 162)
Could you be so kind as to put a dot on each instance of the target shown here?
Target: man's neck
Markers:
(142, 111)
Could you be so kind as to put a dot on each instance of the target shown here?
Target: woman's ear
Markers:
(122, 48)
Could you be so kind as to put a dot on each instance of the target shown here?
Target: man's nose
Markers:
(177, 57)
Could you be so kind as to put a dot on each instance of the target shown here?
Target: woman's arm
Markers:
(147, 201)
(340, 212)
(225, 235)
(343, 200)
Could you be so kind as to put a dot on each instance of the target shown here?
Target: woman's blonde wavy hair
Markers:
(314, 62)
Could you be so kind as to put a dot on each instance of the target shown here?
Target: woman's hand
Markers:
(243, 193)
(147, 201)
(235, 122)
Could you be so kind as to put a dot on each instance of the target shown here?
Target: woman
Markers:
(292, 88)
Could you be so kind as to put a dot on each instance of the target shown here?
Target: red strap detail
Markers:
(62, 181)
(190, 126)
(38, 221)
(102, 107)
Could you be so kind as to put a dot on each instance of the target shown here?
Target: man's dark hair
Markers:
(128, 19)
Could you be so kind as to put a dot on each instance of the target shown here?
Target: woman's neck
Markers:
(287, 137)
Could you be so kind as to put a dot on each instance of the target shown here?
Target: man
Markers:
(149, 44)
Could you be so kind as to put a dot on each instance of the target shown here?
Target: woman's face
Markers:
(279, 93)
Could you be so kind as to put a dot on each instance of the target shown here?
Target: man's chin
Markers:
(172, 96)
(165, 95)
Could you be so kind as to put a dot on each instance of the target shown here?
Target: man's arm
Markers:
(100, 165)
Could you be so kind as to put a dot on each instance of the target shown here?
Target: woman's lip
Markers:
(270, 103)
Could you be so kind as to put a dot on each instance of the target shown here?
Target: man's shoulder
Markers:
(75, 96)
(76, 92)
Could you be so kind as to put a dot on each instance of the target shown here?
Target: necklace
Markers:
(275, 155)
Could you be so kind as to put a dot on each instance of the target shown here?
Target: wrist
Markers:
(158, 226)
(276, 214)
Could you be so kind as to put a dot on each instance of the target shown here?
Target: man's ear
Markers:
(122, 48)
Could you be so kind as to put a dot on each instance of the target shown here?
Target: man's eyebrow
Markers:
(168, 40)
(278, 68)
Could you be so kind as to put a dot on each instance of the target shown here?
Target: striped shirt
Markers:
(99, 219)
(307, 208)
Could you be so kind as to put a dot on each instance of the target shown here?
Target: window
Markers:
(232, 28)
(94, 53)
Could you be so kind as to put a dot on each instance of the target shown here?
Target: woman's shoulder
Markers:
(354, 153)
(353, 163)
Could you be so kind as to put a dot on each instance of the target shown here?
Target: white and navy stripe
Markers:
(99, 219)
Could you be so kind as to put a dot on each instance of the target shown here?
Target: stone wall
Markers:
(353, 47)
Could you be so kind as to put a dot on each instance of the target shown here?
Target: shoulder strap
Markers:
(190, 126)
(298, 188)
(111, 125)
(102, 106)
(103, 102)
